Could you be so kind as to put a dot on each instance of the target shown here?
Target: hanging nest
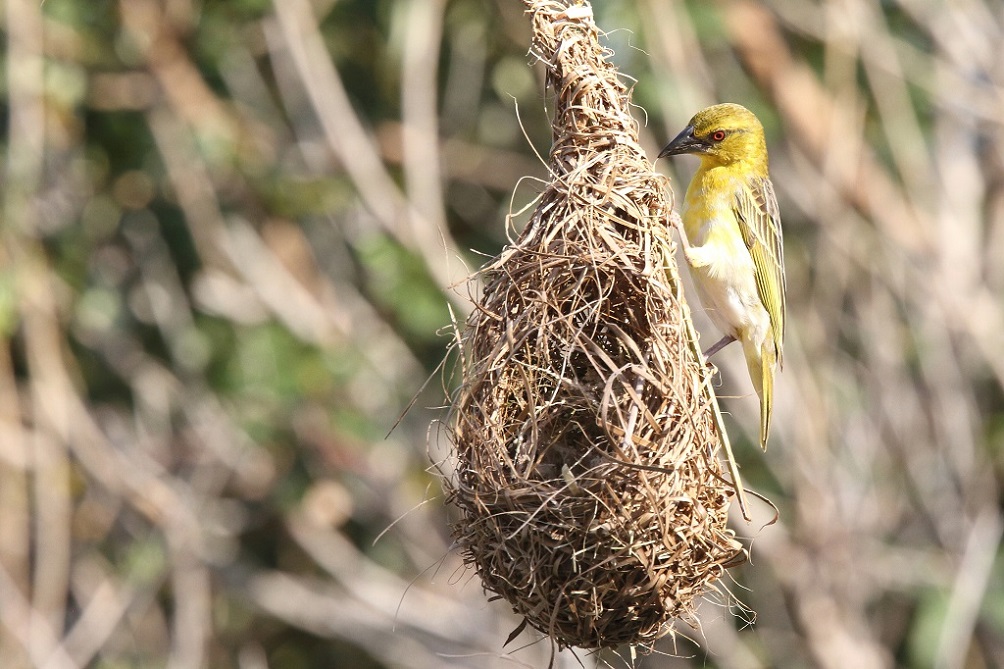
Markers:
(585, 428)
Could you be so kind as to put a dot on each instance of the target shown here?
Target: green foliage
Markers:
(398, 282)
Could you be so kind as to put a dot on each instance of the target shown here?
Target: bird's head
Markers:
(722, 135)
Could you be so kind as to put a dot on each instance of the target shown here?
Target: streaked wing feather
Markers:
(760, 225)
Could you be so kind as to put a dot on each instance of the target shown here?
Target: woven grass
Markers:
(587, 473)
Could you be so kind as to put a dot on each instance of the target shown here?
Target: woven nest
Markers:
(587, 474)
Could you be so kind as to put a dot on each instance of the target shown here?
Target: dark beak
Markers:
(685, 142)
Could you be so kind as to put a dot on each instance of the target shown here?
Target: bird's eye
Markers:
(718, 135)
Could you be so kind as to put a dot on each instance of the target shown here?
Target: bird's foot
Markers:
(677, 222)
(719, 345)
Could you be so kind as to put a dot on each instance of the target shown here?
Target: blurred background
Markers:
(235, 234)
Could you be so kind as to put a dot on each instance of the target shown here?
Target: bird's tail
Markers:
(761, 362)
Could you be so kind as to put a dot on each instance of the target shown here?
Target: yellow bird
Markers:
(731, 238)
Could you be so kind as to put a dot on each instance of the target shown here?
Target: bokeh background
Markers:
(235, 234)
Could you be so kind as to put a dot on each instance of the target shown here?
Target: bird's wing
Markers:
(760, 225)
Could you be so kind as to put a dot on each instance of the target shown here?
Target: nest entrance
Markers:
(587, 474)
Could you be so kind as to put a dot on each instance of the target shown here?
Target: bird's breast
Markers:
(709, 219)
(725, 276)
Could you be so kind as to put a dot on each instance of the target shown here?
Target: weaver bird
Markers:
(731, 236)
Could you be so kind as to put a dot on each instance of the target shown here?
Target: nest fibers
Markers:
(587, 474)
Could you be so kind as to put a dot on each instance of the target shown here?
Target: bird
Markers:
(730, 232)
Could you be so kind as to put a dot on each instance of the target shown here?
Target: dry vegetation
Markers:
(230, 229)
(587, 435)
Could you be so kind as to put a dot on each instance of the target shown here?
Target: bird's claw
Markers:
(677, 222)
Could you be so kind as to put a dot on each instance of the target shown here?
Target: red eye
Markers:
(718, 135)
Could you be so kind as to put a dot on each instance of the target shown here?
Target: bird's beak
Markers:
(685, 142)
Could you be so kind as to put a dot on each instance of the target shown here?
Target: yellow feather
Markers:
(733, 239)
